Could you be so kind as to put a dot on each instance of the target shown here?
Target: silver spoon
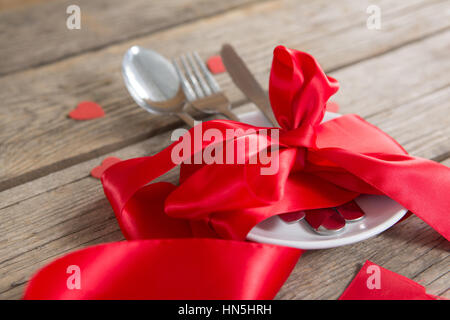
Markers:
(153, 83)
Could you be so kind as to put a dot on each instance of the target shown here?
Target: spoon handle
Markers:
(186, 118)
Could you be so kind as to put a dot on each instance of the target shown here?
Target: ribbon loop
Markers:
(298, 89)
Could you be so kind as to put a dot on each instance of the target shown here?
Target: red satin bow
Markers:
(320, 165)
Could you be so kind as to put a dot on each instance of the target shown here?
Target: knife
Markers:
(246, 82)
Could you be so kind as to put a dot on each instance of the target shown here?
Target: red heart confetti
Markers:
(332, 107)
(87, 110)
(328, 218)
(292, 216)
(350, 211)
(215, 64)
(106, 163)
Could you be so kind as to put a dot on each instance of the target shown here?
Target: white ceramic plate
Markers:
(381, 213)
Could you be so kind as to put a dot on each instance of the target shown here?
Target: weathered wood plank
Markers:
(67, 210)
(36, 35)
(12, 4)
(422, 126)
(37, 138)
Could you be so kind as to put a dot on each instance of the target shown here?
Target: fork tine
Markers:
(187, 88)
(198, 75)
(192, 78)
(209, 77)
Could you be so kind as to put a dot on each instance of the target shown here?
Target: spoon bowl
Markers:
(153, 83)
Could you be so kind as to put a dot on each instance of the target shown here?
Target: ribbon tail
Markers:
(417, 184)
(167, 269)
(122, 180)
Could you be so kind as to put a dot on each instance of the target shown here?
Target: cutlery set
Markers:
(163, 87)
(205, 94)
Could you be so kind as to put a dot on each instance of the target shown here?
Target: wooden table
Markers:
(396, 77)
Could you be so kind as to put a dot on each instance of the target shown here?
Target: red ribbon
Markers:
(320, 165)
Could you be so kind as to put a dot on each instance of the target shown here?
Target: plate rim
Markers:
(333, 242)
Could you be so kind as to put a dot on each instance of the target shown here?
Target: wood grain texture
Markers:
(422, 125)
(12, 4)
(397, 78)
(36, 137)
(36, 35)
(67, 210)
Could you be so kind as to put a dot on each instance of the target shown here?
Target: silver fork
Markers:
(200, 88)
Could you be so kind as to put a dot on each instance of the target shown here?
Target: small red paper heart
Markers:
(215, 64)
(87, 110)
(350, 211)
(332, 106)
(106, 163)
(325, 217)
(292, 216)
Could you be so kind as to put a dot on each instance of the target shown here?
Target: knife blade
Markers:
(246, 82)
